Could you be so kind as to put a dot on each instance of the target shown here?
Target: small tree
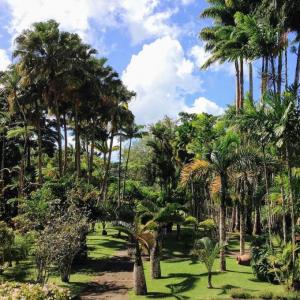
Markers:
(207, 252)
(135, 233)
(59, 243)
(6, 243)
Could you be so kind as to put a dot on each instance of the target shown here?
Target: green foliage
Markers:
(18, 291)
(240, 294)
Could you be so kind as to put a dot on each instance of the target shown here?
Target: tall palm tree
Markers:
(218, 160)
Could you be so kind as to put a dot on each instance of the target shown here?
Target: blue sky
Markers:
(153, 44)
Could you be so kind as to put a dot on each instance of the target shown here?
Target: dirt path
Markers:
(114, 280)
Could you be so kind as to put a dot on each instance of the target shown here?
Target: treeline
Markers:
(61, 107)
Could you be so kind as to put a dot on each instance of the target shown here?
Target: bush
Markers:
(266, 295)
(6, 243)
(59, 243)
(240, 294)
(18, 291)
(208, 228)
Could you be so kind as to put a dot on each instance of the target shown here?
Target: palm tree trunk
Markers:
(91, 162)
(106, 174)
(233, 218)
(139, 281)
(66, 144)
(155, 259)
(292, 204)
(77, 143)
(126, 167)
(283, 213)
(39, 135)
(273, 74)
(286, 67)
(297, 71)
(279, 71)
(256, 226)
(262, 77)
(267, 194)
(222, 225)
(209, 284)
(242, 228)
(241, 83)
(2, 164)
(238, 90)
(120, 170)
(58, 127)
(251, 81)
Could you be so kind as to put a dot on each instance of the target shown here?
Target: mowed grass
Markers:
(99, 248)
(183, 278)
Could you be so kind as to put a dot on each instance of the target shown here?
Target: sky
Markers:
(152, 44)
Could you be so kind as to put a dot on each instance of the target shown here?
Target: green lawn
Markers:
(99, 248)
(182, 277)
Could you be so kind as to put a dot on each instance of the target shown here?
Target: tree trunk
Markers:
(250, 81)
(238, 90)
(262, 78)
(273, 74)
(120, 170)
(2, 165)
(233, 218)
(283, 213)
(66, 143)
(241, 83)
(237, 218)
(222, 225)
(242, 228)
(126, 167)
(58, 126)
(209, 284)
(286, 67)
(297, 71)
(178, 229)
(91, 162)
(279, 73)
(292, 203)
(267, 195)
(256, 226)
(39, 136)
(105, 179)
(155, 259)
(77, 143)
(139, 281)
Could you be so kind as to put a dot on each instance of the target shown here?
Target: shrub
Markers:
(240, 294)
(18, 291)
(208, 228)
(266, 295)
(6, 243)
(59, 243)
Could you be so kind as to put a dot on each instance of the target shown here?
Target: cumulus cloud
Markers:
(143, 19)
(202, 104)
(4, 60)
(200, 56)
(162, 76)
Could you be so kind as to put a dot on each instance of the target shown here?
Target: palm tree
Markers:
(207, 251)
(131, 132)
(158, 217)
(135, 233)
(218, 160)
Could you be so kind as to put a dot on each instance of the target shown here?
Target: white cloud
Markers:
(187, 2)
(162, 77)
(200, 56)
(202, 104)
(4, 60)
(142, 18)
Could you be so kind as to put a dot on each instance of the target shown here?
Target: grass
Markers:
(99, 248)
(183, 278)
